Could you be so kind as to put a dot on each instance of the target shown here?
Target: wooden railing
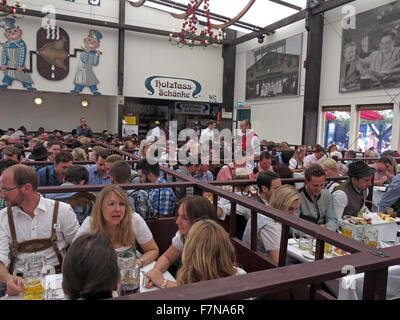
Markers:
(268, 278)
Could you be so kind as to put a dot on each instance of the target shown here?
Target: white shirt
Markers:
(225, 205)
(177, 241)
(340, 202)
(140, 229)
(206, 134)
(270, 236)
(311, 159)
(255, 144)
(293, 164)
(39, 227)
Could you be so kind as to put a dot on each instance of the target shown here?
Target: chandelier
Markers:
(6, 9)
(189, 36)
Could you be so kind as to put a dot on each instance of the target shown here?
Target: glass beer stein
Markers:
(33, 279)
(129, 273)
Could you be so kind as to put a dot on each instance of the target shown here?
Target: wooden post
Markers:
(228, 85)
(121, 62)
(312, 64)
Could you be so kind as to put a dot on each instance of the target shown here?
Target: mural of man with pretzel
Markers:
(13, 56)
(89, 57)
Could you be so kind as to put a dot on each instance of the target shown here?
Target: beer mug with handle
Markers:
(129, 273)
(33, 279)
(304, 241)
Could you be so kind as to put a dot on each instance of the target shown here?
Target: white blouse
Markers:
(140, 229)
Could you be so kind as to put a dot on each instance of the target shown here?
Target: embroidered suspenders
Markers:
(34, 245)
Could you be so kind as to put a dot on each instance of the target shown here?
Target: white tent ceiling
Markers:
(260, 14)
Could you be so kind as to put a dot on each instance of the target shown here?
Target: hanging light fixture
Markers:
(189, 36)
(6, 9)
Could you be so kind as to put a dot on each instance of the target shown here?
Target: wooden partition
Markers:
(264, 278)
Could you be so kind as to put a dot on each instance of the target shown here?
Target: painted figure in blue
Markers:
(13, 56)
(85, 76)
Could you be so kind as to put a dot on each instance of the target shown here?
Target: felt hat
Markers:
(39, 153)
(359, 169)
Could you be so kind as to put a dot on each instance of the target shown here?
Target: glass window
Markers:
(375, 131)
(337, 128)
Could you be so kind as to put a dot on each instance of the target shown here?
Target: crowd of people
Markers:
(114, 219)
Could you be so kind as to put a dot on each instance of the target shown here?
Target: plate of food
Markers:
(339, 252)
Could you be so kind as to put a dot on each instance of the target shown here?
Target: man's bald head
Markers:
(23, 174)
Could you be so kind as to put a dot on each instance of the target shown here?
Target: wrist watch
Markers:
(163, 283)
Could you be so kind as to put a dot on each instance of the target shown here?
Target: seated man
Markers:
(317, 157)
(267, 182)
(390, 200)
(316, 203)
(54, 175)
(53, 147)
(140, 201)
(98, 173)
(349, 197)
(75, 175)
(188, 169)
(202, 173)
(224, 205)
(110, 160)
(265, 163)
(163, 198)
(32, 217)
(12, 153)
(4, 164)
(385, 171)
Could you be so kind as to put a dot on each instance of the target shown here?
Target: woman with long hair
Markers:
(190, 210)
(296, 162)
(113, 216)
(285, 198)
(208, 254)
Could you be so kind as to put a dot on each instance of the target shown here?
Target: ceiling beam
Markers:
(286, 4)
(215, 16)
(321, 8)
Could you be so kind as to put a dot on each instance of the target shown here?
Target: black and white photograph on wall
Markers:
(371, 51)
(273, 70)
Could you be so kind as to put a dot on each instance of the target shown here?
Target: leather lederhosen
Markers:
(34, 245)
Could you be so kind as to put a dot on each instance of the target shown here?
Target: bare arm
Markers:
(163, 263)
(151, 252)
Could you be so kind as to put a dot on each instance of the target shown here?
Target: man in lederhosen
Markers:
(89, 58)
(31, 224)
(13, 56)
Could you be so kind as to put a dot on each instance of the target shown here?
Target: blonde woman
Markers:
(190, 210)
(285, 198)
(86, 142)
(78, 154)
(331, 169)
(144, 147)
(112, 215)
(296, 162)
(208, 254)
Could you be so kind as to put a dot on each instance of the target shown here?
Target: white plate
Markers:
(308, 255)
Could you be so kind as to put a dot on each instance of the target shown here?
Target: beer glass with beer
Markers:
(304, 241)
(129, 273)
(33, 279)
